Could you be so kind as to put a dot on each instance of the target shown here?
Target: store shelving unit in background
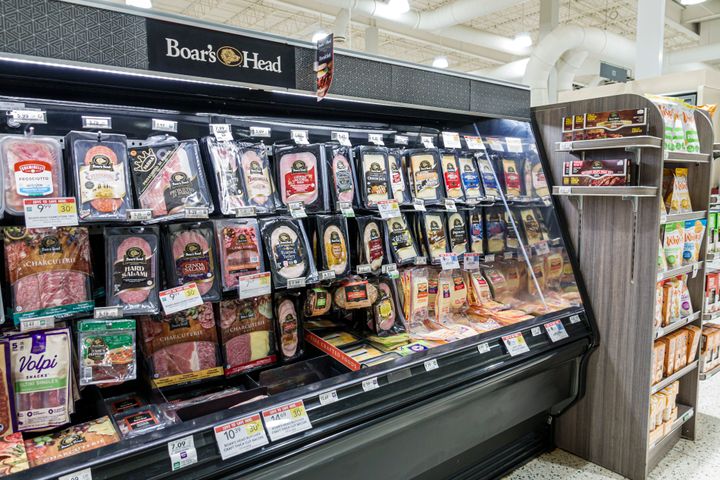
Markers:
(615, 231)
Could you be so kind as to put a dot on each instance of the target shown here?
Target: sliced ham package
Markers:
(425, 172)
(374, 172)
(301, 176)
(132, 280)
(248, 334)
(289, 327)
(368, 244)
(190, 257)
(181, 348)
(344, 183)
(398, 179)
(288, 251)
(32, 167)
(239, 249)
(168, 177)
(8, 419)
(451, 176)
(100, 175)
(49, 270)
(330, 244)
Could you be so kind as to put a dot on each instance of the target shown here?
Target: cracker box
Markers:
(596, 172)
(615, 124)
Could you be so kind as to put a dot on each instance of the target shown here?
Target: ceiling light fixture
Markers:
(691, 2)
(139, 3)
(440, 62)
(398, 6)
(317, 36)
(523, 40)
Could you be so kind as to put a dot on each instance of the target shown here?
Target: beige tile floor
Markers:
(699, 460)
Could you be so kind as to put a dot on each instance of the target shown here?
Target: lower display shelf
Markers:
(709, 317)
(661, 332)
(685, 413)
(708, 375)
(675, 376)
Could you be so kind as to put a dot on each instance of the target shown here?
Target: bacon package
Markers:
(49, 270)
(32, 167)
(301, 176)
(240, 252)
(288, 251)
(330, 244)
(132, 280)
(101, 175)
(247, 334)
(342, 172)
(372, 163)
(168, 177)
(398, 179)
(289, 325)
(190, 257)
(424, 165)
(451, 176)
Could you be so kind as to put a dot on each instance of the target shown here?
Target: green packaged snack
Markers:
(107, 351)
(673, 241)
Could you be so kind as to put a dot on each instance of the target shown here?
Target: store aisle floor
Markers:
(699, 460)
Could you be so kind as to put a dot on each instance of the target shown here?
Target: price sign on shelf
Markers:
(300, 137)
(221, 131)
(388, 208)
(197, 212)
(419, 205)
(50, 212)
(326, 275)
(427, 141)
(180, 298)
(515, 344)
(556, 330)
(182, 452)
(474, 143)
(84, 474)
(376, 139)
(328, 397)
(296, 282)
(37, 323)
(102, 313)
(139, 214)
(240, 436)
(471, 261)
(263, 132)
(450, 205)
(286, 420)
(254, 285)
(27, 116)
(401, 140)
(370, 384)
(514, 144)
(451, 140)
(297, 209)
(449, 261)
(104, 123)
(342, 137)
(565, 146)
(431, 365)
(346, 209)
(162, 125)
(246, 211)
(420, 260)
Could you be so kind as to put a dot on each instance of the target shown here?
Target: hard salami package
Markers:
(239, 249)
(132, 279)
(435, 235)
(374, 172)
(288, 251)
(181, 348)
(457, 233)
(41, 361)
(301, 176)
(168, 177)
(247, 334)
(106, 351)
(49, 271)
(424, 166)
(469, 177)
(401, 241)
(190, 257)
(398, 178)
(8, 419)
(451, 176)
(344, 183)
(288, 320)
(369, 250)
(32, 167)
(101, 175)
(330, 244)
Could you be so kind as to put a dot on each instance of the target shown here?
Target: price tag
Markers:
(449, 261)
(197, 212)
(286, 420)
(666, 154)
(431, 365)
(182, 452)
(139, 214)
(300, 137)
(388, 208)
(514, 144)
(346, 209)
(376, 139)
(221, 131)
(28, 116)
(296, 282)
(50, 212)
(450, 205)
(103, 123)
(102, 313)
(496, 144)
(84, 474)
(471, 261)
(695, 268)
(565, 146)
(575, 319)
(342, 137)
(240, 436)
(326, 275)
(297, 209)
(427, 141)
(419, 205)
(245, 212)
(401, 140)
(161, 125)
(542, 248)
(370, 384)
(536, 331)
(565, 190)
(483, 348)
(420, 260)
(260, 132)
(515, 344)
(451, 140)
(556, 330)
(328, 397)
(180, 298)
(490, 257)
(38, 323)
(474, 143)
(363, 269)
(254, 285)
(391, 270)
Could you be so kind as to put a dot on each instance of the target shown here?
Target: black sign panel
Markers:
(196, 51)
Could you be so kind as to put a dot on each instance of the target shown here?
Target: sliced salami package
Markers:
(168, 177)
(32, 167)
(374, 172)
(190, 257)
(398, 180)
(301, 176)
(132, 280)
(239, 249)
(369, 244)
(451, 176)
(457, 233)
(424, 165)
(401, 242)
(434, 234)
(344, 181)
(469, 177)
(288, 319)
(288, 251)
(330, 244)
(247, 334)
(101, 175)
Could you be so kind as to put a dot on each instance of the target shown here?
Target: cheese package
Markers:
(478, 290)
(488, 177)
(288, 325)
(330, 244)
(495, 229)
(288, 250)
(435, 236)
(416, 283)
(401, 241)
(694, 234)
(301, 176)
(247, 334)
(451, 176)
(476, 230)
(424, 165)
(451, 294)
(511, 177)
(539, 183)
(677, 198)
(343, 179)
(457, 233)
(398, 178)
(553, 269)
(530, 218)
(374, 171)
(469, 177)
(673, 242)
(659, 305)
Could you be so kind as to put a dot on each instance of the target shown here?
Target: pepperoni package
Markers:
(300, 172)
(239, 249)
(190, 257)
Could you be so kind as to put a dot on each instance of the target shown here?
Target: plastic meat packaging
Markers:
(139, 421)
(132, 269)
(32, 167)
(331, 244)
(289, 325)
(300, 172)
(13, 458)
(372, 163)
(451, 176)
(190, 257)
(398, 180)
(402, 243)
(101, 175)
(8, 419)
(288, 251)
(344, 181)
(247, 333)
(369, 244)
(387, 316)
(424, 165)
(239, 248)
(106, 351)
(256, 177)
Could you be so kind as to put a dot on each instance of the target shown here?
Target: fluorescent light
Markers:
(317, 36)
(440, 62)
(139, 3)
(691, 2)
(398, 6)
(523, 40)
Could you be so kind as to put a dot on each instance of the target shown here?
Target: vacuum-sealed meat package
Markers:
(132, 280)
(398, 180)
(400, 238)
(239, 248)
(106, 351)
(369, 251)
(190, 257)
(32, 167)
(374, 171)
(256, 177)
(247, 334)
(331, 244)
(288, 251)
(387, 315)
(289, 325)
(300, 172)
(435, 235)
(424, 165)
(227, 183)
(101, 175)
(451, 176)
(342, 172)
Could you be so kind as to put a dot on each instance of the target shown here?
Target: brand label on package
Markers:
(50, 212)
(515, 344)
(254, 285)
(286, 420)
(180, 298)
(240, 436)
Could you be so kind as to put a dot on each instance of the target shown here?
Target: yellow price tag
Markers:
(191, 292)
(68, 208)
(252, 427)
(297, 412)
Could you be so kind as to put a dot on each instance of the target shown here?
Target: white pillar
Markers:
(650, 36)
(549, 19)
(372, 39)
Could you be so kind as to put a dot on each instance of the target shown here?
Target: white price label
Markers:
(260, 132)
(427, 141)
(328, 397)
(297, 209)
(565, 146)
(496, 144)
(28, 116)
(515, 344)
(370, 384)
(197, 212)
(536, 331)
(389, 269)
(240, 436)
(139, 214)
(666, 154)
(182, 452)
(376, 139)
(401, 140)
(449, 261)
(221, 131)
(431, 365)
(420, 260)
(575, 319)
(161, 125)
(84, 474)
(474, 143)
(366, 268)
(102, 313)
(514, 144)
(483, 348)
(542, 248)
(296, 282)
(695, 269)
(508, 255)
(556, 330)
(246, 212)
(38, 323)
(450, 205)
(97, 122)
(286, 420)
(346, 209)
(451, 140)
(388, 208)
(343, 138)
(300, 137)
(50, 212)
(326, 275)
(254, 285)
(565, 190)
(471, 261)
(181, 298)
(490, 257)
(419, 205)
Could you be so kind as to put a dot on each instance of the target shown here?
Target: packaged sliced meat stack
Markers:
(301, 176)
(368, 245)
(400, 240)
(8, 419)
(452, 176)
(289, 326)
(425, 169)
(168, 177)
(132, 280)
(32, 167)
(288, 251)
(106, 351)
(374, 173)
(476, 230)
(248, 334)
(49, 271)
(181, 348)
(12, 451)
(40, 362)
(398, 179)
(343, 178)
(386, 316)
(457, 233)
(469, 177)
(257, 178)
(330, 242)
(435, 235)
(239, 248)
(101, 175)
(190, 257)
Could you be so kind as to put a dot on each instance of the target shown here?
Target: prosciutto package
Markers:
(168, 177)
(238, 243)
(301, 176)
(374, 172)
(288, 251)
(101, 175)
(49, 270)
(32, 167)
(342, 172)
(190, 257)
(247, 334)
(289, 325)
(182, 347)
(41, 363)
(132, 269)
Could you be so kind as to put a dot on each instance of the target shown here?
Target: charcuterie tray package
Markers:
(451, 176)
(425, 171)
(469, 177)
(32, 167)
(168, 178)
(132, 280)
(369, 252)
(401, 241)
(374, 172)
(288, 251)
(398, 178)
(289, 327)
(139, 421)
(434, 235)
(239, 249)
(330, 244)
(106, 351)
(100, 175)
(301, 176)
(343, 179)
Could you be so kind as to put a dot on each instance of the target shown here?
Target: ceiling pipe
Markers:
(341, 27)
(460, 11)
(567, 67)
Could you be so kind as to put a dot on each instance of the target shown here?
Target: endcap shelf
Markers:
(640, 141)
(615, 191)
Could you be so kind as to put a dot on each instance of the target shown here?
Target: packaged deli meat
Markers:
(41, 377)
(451, 176)
(101, 175)
(106, 351)
(247, 334)
(401, 241)
(288, 318)
(132, 280)
(32, 167)
(374, 172)
(142, 420)
(49, 270)
(288, 251)
(457, 233)
(168, 177)
(354, 294)
(369, 250)
(257, 178)
(182, 347)
(344, 184)
(239, 249)
(226, 179)
(398, 179)
(387, 313)
(190, 257)
(13, 454)
(330, 244)
(435, 235)
(318, 302)
(8, 419)
(469, 177)
(301, 176)
(487, 175)
(424, 165)
(476, 230)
